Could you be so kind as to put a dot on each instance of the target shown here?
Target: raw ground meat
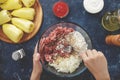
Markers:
(55, 44)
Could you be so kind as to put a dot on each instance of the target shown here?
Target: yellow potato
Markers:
(26, 13)
(4, 17)
(2, 1)
(12, 32)
(11, 4)
(25, 25)
(28, 3)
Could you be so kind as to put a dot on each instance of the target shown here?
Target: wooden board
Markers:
(37, 22)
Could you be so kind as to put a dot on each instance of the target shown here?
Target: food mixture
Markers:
(61, 49)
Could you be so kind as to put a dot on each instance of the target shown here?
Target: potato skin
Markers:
(28, 3)
(25, 13)
(11, 5)
(2, 1)
(12, 32)
(25, 25)
(4, 17)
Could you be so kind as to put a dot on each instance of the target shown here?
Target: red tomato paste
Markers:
(60, 9)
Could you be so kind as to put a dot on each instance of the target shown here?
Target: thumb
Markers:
(36, 59)
(37, 66)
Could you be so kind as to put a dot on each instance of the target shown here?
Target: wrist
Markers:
(105, 77)
(37, 71)
(35, 75)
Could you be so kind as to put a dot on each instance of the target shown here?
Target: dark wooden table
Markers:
(21, 70)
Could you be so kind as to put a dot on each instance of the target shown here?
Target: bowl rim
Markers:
(44, 67)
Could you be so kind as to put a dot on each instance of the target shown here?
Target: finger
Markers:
(89, 53)
(100, 53)
(94, 52)
(35, 50)
(83, 56)
(37, 66)
(36, 59)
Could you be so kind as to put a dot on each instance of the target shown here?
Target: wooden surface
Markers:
(37, 22)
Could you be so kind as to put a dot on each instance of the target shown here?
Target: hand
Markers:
(37, 67)
(96, 63)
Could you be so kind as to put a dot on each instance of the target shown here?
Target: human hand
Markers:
(37, 67)
(96, 63)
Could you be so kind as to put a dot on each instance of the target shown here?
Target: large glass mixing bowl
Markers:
(76, 27)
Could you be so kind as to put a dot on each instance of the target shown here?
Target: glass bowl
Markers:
(76, 27)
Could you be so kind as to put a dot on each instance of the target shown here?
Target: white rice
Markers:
(70, 64)
(77, 41)
(66, 65)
